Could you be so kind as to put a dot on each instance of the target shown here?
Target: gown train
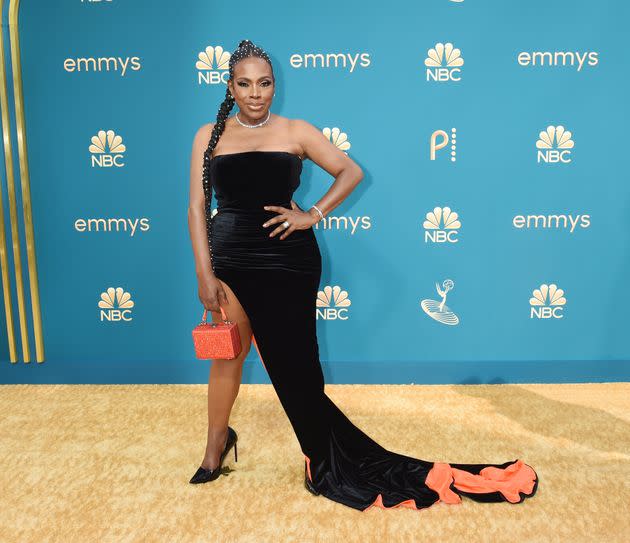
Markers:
(276, 281)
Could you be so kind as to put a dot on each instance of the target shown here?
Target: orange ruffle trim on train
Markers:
(518, 477)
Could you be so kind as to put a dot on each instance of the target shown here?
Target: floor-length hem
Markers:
(276, 282)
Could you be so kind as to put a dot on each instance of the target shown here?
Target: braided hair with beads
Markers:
(245, 49)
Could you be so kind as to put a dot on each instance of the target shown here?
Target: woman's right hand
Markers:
(211, 293)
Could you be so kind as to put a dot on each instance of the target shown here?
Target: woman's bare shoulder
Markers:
(205, 129)
(202, 136)
(303, 129)
(301, 125)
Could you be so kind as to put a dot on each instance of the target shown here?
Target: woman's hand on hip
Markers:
(297, 219)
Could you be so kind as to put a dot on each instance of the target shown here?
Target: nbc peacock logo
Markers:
(438, 310)
(213, 65)
(547, 302)
(440, 139)
(444, 62)
(107, 150)
(441, 226)
(332, 304)
(337, 137)
(115, 305)
(554, 145)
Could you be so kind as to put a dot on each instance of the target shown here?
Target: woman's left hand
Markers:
(298, 219)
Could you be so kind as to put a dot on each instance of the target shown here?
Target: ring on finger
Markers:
(285, 224)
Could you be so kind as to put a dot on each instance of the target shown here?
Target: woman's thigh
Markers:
(234, 312)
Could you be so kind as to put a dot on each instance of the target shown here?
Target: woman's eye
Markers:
(244, 84)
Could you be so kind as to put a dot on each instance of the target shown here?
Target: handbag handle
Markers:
(205, 314)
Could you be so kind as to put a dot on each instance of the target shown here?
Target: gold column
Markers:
(26, 202)
(4, 260)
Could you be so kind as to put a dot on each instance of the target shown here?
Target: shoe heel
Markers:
(235, 454)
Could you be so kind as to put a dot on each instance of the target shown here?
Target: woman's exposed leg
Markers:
(224, 381)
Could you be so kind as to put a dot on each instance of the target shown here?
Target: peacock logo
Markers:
(554, 145)
(106, 149)
(115, 305)
(332, 303)
(547, 302)
(213, 64)
(337, 137)
(441, 225)
(444, 62)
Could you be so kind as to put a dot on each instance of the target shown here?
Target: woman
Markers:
(258, 259)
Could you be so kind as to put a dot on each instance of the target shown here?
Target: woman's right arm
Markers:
(210, 289)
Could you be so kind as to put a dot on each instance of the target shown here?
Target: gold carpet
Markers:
(111, 464)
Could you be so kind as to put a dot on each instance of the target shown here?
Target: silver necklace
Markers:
(253, 125)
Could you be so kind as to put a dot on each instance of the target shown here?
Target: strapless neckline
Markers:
(257, 151)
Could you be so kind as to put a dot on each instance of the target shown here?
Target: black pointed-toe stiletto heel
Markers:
(307, 483)
(203, 475)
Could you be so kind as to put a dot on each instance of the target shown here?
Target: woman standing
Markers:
(259, 252)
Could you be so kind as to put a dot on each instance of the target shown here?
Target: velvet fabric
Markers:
(276, 281)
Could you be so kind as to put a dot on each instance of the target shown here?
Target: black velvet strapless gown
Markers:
(276, 282)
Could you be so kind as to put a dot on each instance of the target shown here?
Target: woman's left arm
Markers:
(330, 158)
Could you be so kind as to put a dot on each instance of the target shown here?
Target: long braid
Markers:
(245, 49)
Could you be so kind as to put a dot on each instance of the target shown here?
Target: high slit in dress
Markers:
(276, 281)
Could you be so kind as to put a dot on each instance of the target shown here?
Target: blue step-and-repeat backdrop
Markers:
(488, 242)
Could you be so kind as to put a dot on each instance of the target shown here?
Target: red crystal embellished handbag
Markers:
(216, 339)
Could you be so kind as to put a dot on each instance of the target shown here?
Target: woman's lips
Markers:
(255, 106)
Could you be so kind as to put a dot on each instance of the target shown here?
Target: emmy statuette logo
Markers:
(439, 311)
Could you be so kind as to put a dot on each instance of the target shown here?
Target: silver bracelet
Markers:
(318, 211)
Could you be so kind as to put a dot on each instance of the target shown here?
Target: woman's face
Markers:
(252, 86)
